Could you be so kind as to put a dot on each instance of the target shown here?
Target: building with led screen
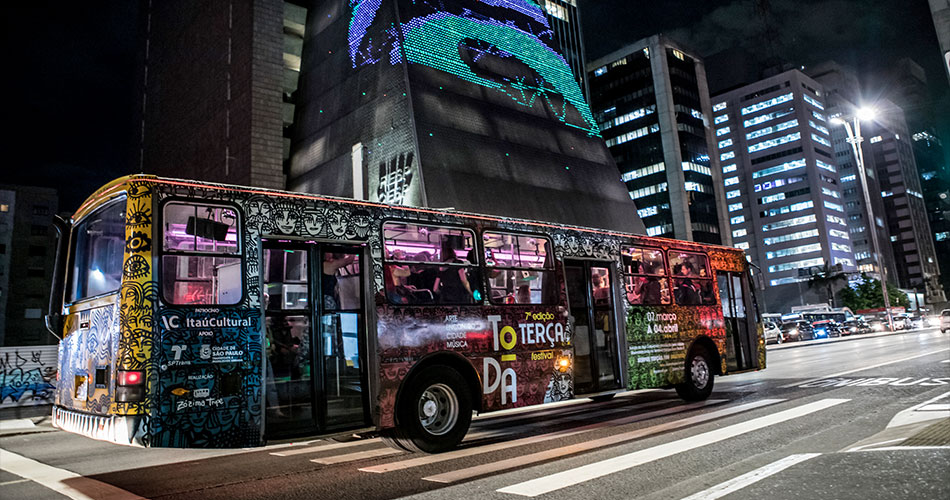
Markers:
(785, 204)
(652, 104)
(463, 104)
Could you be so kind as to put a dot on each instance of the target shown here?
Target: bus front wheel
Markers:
(699, 376)
(434, 413)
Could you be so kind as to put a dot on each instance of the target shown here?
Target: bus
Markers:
(195, 314)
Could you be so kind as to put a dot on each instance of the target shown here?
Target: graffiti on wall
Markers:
(27, 375)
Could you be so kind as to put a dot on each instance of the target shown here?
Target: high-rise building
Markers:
(652, 105)
(940, 9)
(565, 20)
(27, 243)
(459, 104)
(783, 191)
(900, 215)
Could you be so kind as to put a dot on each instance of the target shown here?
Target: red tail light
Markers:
(130, 378)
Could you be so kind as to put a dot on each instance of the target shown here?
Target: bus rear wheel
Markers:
(699, 376)
(434, 413)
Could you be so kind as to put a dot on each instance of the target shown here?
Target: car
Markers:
(945, 321)
(825, 328)
(797, 330)
(773, 334)
(855, 326)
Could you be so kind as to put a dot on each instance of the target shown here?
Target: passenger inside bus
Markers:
(332, 263)
(452, 286)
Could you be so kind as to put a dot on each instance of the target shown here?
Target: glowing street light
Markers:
(854, 138)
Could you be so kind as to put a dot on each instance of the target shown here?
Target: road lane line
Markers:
(360, 455)
(61, 481)
(324, 447)
(737, 483)
(889, 441)
(904, 448)
(570, 477)
(521, 461)
(477, 450)
(862, 369)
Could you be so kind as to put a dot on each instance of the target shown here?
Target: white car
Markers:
(773, 334)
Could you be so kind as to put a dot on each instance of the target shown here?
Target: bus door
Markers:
(596, 345)
(314, 340)
(740, 335)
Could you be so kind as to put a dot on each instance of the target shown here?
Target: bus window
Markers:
(645, 276)
(692, 283)
(97, 255)
(521, 269)
(429, 264)
(201, 264)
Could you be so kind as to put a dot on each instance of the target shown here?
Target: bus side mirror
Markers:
(54, 313)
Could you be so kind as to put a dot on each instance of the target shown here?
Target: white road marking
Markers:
(864, 368)
(548, 408)
(946, 361)
(477, 450)
(521, 461)
(922, 412)
(15, 481)
(737, 483)
(547, 484)
(906, 448)
(61, 481)
(889, 441)
(324, 447)
(360, 455)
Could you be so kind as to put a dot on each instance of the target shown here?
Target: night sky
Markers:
(71, 69)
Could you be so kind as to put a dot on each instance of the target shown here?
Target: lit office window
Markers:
(689, 166)
(721, 119)
(811, 233)
(727, 156)
(719, 107)
(848, 178)
(789, 165)
(725, 144)
(739, 219)
(730, 181)
(766, 104)
(839, 247)
(729, 168)
(771, 130)
(744, 245)
(834, 219)
(772, 198)
(647, 191)
(818, 127)
(785, 252)
(797, 221)
(643, 172)
(628, 117)
(635, 134)
(830, 192)
(820, 140)
(876, 139)
(833, 206)
(838, 234)
(784, 281)
(810, 100)
(722, 131)
(818, 115)
(738, 233)
(788, 266)
(735, 206)
(778, 141)
(697, 187)
(751, 122)
(648, 211)
(825, 166)
(844, 262)
(731, 194)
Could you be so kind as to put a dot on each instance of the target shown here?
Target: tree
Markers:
(826, 279)
(867, 295)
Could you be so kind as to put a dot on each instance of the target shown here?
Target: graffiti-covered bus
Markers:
(195, 314)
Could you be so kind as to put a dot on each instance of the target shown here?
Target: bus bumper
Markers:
(119, 429)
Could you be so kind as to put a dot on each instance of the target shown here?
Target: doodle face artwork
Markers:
(453, 36)
(314, 220)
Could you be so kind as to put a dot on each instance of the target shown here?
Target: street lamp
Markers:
(854, 138)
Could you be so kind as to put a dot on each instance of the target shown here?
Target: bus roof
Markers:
(120, 185)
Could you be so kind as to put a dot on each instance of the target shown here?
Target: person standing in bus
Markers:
(332, 263)
(452, 284)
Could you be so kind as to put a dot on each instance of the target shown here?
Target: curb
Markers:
(854, 336)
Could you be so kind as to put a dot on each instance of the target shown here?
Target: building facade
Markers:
(783, 190)
(894, 183)
(565, 21)
(940, 10)
(27, 247)
(375, 100)
(652, 104)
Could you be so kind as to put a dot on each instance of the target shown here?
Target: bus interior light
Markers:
(563, 363)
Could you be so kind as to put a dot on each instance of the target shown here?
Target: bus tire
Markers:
(699, 375)
(435, 411)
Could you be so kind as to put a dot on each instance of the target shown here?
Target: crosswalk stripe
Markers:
(501, 465)
(737, 483)
(323, 447)
(477, 450)
(360, 455)
(848, 372)
(64, 482)
(564, 479)
(549, 408)
(586, 415)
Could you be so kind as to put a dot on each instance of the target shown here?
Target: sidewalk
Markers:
(854, 336)
(25, 420)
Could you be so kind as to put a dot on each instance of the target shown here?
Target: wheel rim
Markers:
(699, 371)
(438, 409)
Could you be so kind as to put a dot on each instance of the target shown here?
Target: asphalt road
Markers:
(868, 418)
